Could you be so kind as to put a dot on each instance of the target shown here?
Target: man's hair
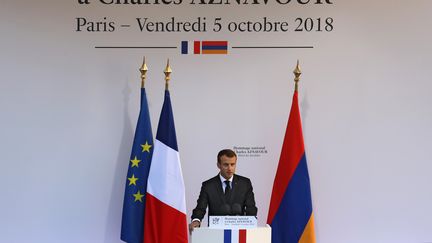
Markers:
(227, 152)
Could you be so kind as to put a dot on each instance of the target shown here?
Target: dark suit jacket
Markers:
(212, 195)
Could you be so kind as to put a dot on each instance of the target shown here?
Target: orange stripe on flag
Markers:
(308, 235)
(214, 51)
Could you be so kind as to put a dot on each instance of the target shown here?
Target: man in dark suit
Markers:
(226, 193)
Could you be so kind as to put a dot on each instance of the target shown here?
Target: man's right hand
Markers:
(193, 225)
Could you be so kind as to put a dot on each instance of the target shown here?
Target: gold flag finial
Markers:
(167, 72)
(143, 69)
(297, 72)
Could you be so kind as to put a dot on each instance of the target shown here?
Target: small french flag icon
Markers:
(196, 48)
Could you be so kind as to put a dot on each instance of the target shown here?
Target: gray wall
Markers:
(68, 113)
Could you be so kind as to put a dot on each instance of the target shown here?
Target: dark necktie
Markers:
(227, 189)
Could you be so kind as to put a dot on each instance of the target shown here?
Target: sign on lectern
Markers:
(232, 222)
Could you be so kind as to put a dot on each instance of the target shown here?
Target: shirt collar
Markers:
(223, 179)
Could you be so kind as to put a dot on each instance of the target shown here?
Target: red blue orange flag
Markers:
(290, 213)
(214, 47)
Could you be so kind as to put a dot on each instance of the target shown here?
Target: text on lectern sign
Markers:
(232, 222)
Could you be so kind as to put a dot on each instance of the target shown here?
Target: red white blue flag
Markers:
(165, 212)
(290, 213)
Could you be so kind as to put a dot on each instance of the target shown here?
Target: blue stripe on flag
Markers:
(184, 47)
(214, 47)
(296, 203)
(166, 129)
(227, 236)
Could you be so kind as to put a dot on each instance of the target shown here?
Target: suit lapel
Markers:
(234, 187)
(219, 190)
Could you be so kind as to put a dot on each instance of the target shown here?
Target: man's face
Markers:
(227, 166)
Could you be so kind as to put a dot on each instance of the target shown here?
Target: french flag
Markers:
(165, 212)
(235, 236)
(290, 213)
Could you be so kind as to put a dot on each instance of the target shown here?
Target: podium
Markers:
(256, 235)
(229, 232)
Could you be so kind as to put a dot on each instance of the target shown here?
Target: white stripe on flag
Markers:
(165, 180)
(234, 236)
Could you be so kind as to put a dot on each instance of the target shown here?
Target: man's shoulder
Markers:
(212, 180)
(241, 178)
(216, 179)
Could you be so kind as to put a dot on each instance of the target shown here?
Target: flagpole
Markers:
(143, 71)
(297, 72)
(167, 72)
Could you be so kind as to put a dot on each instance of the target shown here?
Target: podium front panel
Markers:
(206, 235)
(259, 235)
(255, 235)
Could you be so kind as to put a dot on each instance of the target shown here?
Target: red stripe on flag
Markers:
(242, 236)
(163, 223)
(292, 151)
(197, 47)
(215, 43)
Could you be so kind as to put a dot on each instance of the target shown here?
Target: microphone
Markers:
(236, 209)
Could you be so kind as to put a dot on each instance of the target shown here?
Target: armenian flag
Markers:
(290, 213)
